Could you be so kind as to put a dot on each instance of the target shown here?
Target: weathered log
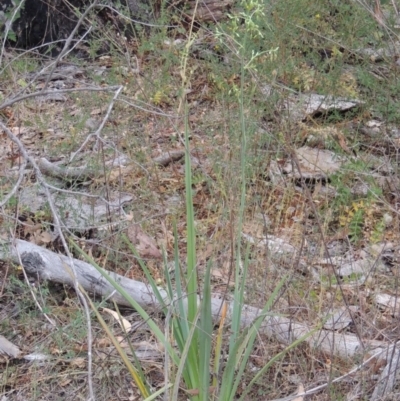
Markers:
(47, 265)
(67, 173)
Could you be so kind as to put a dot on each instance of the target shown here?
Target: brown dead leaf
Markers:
(56, 351)
(103, 342)
(119, 172)
(78, 362)
(205, 254)
(75, 111)
(145, 245)
(342, 141)
(129, 216)
(45, 237)
(123, 342)
(222, 275)
(217, 273)
(98, 111)
(41, 238)
(65, 382)
(122, 321)
(29, 227)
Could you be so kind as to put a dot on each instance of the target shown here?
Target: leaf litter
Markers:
(145, 189)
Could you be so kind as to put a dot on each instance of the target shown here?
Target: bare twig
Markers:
(39, 73)
(17, 184)
(51, 321)
(67, 43)
(8, 28)
(395, 7)
(155, 112)
(17, 99)
(339, 379)
(387, 380)
(25, 54)
(103, 123)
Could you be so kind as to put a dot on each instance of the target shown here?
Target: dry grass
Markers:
(283, 209)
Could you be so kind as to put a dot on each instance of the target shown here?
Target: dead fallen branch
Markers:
(67, 173)
(8, 348)
(47, 265)
(84, 172)
(17, 99)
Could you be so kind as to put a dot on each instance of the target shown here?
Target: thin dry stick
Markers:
(18, 99)
(337, 379)
(67, 43)
(17, 184)
(320, 228)
(387, 380)
(51, 321)
(57, 224)
(395, 7)
(25, 54)
(8, 28)
(155, 112)
(42, 71)
(101, 126)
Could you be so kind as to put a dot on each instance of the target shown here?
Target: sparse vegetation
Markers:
(247, 162)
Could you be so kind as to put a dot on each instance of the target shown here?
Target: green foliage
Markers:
(189, 317)
(378, 231)
(356, 223)
(246, 29)
(354, 213)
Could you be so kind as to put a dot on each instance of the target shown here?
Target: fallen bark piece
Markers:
(47, 265)
(84, 173)
(144, 244)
